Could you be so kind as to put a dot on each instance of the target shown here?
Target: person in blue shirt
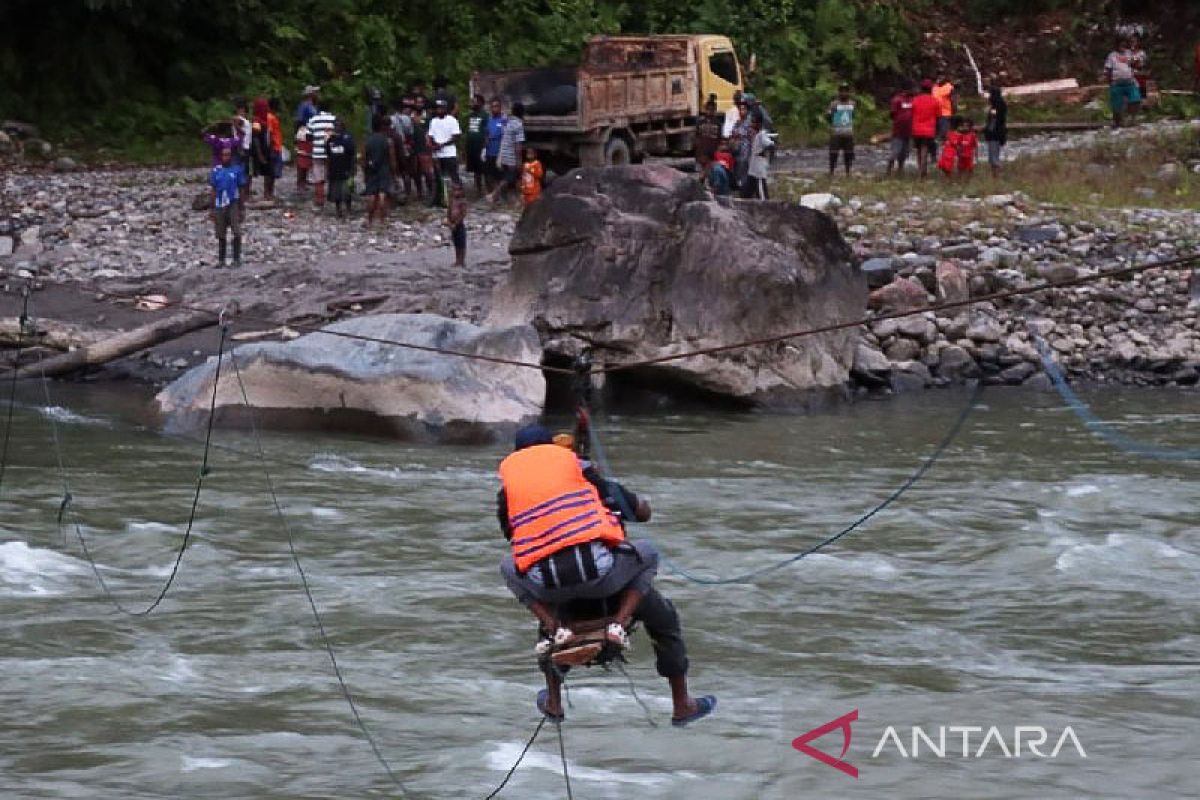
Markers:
(227, 180)
(491, 146)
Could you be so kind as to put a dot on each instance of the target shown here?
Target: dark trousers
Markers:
(447, 172)
(656, 613)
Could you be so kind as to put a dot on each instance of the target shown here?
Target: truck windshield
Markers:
(724, 65)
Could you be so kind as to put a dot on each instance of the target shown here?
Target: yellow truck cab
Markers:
(631, 96)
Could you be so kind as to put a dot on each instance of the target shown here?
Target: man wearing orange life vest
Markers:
(568, 547)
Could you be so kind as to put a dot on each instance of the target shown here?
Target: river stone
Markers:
(6, 246)
(65, 164)
(871, 368)
(1040, 234)
(820, 201)
(638, 262)
(984, 329)
(917, 327)
(956, 363)
(879, 272)
(320, 381)
(6, 144)
(967, 252)
(902, 294)
(952, 286)
(910, 376)
(1058, 273)
(1018, 373)
(903, 349)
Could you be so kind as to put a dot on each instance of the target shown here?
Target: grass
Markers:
(1107, 175)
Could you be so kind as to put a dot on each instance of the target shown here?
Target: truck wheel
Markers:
(616, 153)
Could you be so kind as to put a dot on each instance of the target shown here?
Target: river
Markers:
(1034, 578)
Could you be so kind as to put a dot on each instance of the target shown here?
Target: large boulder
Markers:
(639, 263)
(319, 381)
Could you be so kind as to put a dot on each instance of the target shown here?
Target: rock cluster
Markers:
(1139, 328)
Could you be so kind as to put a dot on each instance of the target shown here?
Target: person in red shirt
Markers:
(950, 150)
(968, 146)
(902, 117)
(925, 112)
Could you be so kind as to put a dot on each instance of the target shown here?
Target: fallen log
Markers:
(122, 344)
(48, 333)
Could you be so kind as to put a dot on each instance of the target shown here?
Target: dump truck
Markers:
(630, 96)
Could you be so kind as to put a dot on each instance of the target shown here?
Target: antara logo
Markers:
(949, 741)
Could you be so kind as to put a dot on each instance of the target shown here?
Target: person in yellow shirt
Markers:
(947, 96)
(532, 174)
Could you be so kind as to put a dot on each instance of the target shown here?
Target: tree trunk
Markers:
(47, 333)
(121, 344)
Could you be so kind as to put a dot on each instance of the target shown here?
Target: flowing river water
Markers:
(1035, 578)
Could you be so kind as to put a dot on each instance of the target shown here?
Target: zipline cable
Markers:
(66, 506)
(747, 577)
(513, 769)
(312, 603)
(1105, 430)
(12, 389)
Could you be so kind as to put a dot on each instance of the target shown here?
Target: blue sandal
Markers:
(542, 697)
(704, 706)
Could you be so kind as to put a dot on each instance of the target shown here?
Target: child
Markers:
(531, 176)
(227, 180)
(456, 216)
(423, 155)
(304, 159)
(968, 145)
(339, 156)
(950, 149)
(724, 157)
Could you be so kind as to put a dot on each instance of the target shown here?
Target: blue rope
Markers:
(1105, 430)
(747, 577)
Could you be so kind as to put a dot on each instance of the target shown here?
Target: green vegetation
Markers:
(112, 72)
(135, 79)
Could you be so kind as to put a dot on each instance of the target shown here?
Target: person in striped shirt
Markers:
(320, 127)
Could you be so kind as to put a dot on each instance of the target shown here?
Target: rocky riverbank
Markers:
(117, 232)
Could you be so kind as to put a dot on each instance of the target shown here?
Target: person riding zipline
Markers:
(569, 551)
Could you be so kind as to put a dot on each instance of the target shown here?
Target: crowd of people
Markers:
(411, 154)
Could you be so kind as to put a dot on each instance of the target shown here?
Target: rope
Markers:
(312, 603)
(633, 690)
(747, 577)
(67, 498)
(562, 751)
(12, 389)
(1181, 261)
(1101, 428)
(512, 770)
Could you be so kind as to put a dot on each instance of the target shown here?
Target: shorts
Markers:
(277, 165)
(943, 127)
(459, 236)
(901, 147)
(926, 143)
(512, 175)
(1123, 94)
(842, 143)
(378, 182)
(228, 218)
(993, 150)
(492, 169)
(320, 170)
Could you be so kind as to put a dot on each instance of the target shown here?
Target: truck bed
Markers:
(621, 83)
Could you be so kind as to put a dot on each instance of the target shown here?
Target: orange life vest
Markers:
(551, 506)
